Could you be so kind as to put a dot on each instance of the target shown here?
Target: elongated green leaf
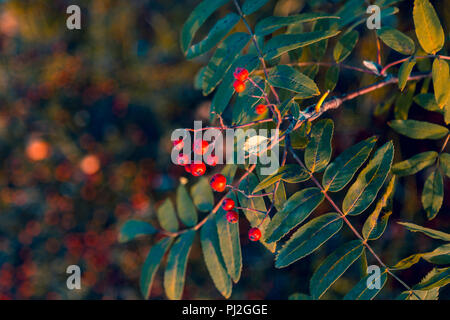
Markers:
(255, 217)
(175, 273)
(396, 40)
(404, 72)
(251, 6)
(213, 258)
(404, 101)
(435, 234)
(288, 78)
(440, 255)
(227, 52)
(331, 77)
(418, 129)
(167, 216)
(185, 207)
(345, 45)
(441, 82)
(439, 278)
(202, 195)
(374, 227)
(433, 194)
(217, 33)
(287, 42)
(229, 243)
(432, 294)
(334, 266)
(364, 190)
(415, 163)
(198, 16)
(444, 161)
(308, 238)
(295, 210)
(428, 28)
(228, 172)
(290, 173)
(151, 265)
(318, 150)
(427, 101)
(362, 291)
(271, 24)
(339, 173)
(225, 90)
(135, 228)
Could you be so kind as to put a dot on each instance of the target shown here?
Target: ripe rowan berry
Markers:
(198, 169)
(241, 74)
(212, 160)
(239, 86)
(260, 108)
(228, 204)
(187, 168)
(254, 234)
(201, 146)
(232, 216)
(218, 182)
(182, 159)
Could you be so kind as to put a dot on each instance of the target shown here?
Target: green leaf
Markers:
(151, 265)
(362, 292)
(288, 78)
(404, 101)
(435, 234)
(444, 162)
(433, 194)
(270, 24)
(364, 190)
(418, 129)
(251, 6)
(229, 171)
(174, 275)
(440, 255)
(404, 72)
(432, 294)
(213, 258)
(287, 42)
(198, 16)
(217, 33)
(243, 111)
(339, 173)
(415, 164)
(167, 216)
(295, 210)
(227, 52)
(308, 238)
(427, 101)
(229, 243)
(331, 77)
(255, 218)
(439, 278)
(185, 207)
(334, 266)
(428, 28)
(290, 173)
(134, 228)
(396, 40)
(202, 195)
(225, 90)
(373, 227)
(345, 45)
(441, 82)
(318, 150)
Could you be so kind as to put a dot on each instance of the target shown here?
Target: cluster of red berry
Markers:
(219, 183)
(200, 148)
(241, 76)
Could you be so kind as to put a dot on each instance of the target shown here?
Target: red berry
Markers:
(228, 204)
(254, 234)
(239, 86)
(187, 168)
(232, 216)
(198, 169)
(260, 108)
(212, 160)
(218, 182)
(179, 144)
(182, 159)
(241, 74)
(201, 146)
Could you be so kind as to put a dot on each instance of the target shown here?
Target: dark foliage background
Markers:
(85, 123)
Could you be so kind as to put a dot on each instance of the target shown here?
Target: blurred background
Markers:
(85, 123)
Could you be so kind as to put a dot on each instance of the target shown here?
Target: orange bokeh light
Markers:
(38, 150)
(90, 164)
